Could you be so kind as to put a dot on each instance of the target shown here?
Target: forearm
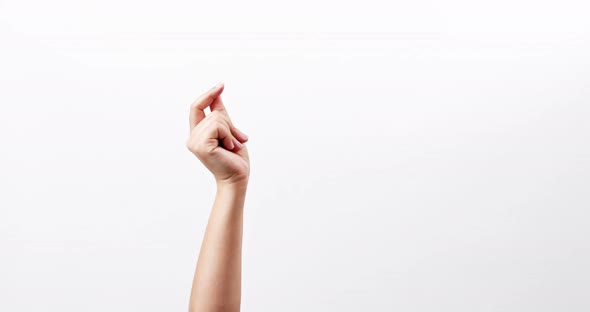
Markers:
(217, 280)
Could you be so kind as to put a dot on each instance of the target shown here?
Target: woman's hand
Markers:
(216, 141)
(220, 147)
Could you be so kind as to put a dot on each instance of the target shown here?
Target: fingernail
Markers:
(243, 134)
(215, 87)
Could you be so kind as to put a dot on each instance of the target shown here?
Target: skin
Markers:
(220, 146)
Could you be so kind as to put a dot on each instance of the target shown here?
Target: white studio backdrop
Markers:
(405, 156)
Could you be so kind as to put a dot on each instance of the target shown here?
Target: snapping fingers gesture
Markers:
(216, 141)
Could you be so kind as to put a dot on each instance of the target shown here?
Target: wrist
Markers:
(232, 185)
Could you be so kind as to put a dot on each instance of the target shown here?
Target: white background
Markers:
(405, 156)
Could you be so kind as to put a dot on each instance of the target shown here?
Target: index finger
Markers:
(197, 112)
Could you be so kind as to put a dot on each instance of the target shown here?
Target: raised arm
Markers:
(220, 147)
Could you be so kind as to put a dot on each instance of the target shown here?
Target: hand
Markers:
(216, 141)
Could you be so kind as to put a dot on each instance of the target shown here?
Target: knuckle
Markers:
(219, 123)
(195, 148)
(191, 145)
(211, 130)
(195, 103)
(201, 152)
(216, 115)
